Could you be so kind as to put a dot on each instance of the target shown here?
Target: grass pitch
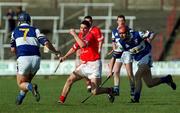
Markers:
(160, 99)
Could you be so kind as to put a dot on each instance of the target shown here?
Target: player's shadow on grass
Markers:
(162, 104)
(149, 103)
(85, 104)
(76, 104)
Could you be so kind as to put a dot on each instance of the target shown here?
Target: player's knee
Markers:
(149, 85)
(116, 73)
(21, 81)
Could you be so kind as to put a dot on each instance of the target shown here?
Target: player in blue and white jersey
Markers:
(138, 44)
(25, 43)
(118, 61)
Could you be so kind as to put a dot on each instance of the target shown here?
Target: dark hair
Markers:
(88, 17)
(24, 18)
(86, 23)
(121, 16)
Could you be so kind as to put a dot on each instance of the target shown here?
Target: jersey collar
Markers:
(24, 24)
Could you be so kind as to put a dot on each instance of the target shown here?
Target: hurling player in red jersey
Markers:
(96, 31)
(90, 67)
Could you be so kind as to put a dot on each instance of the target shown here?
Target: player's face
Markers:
(84, 29)
(120, 22)
(124, 34)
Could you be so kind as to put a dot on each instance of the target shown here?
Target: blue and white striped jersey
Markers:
(27, 39)
(137, 44)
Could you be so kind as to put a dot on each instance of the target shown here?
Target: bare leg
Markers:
(151, 82)
(131, 78)
(69, 82)
(88, 84)
(116, 69)
(130, 72)
(138, 85)
(145, 73)
(24, 83)
(96, 90)
(147, 77)
(111, 64)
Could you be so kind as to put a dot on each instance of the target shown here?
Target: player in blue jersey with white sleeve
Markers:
(125, 58)
(138, 43)
(25, 43)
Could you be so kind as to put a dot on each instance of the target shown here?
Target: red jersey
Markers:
(97, 33)
(90, 52)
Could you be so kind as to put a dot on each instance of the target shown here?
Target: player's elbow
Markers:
(82, 45)
(47, 44)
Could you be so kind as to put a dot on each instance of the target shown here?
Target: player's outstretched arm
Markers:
(51, 47)
(70, 52)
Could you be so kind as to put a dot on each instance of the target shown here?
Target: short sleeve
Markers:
(41, 37)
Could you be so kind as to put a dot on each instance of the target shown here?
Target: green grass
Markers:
(159, 99)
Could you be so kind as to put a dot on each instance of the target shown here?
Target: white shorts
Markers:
(90, 69)
(147, 59)
(125, 58)
(28, 65)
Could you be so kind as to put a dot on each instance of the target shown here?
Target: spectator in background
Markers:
(19, 11)
(11, 20)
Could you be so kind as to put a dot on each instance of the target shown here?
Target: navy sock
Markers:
(116, 90)
(164, 79)
(21, 95)
(116, 87)
(137, 96)
(30, 87)
(132, 91)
